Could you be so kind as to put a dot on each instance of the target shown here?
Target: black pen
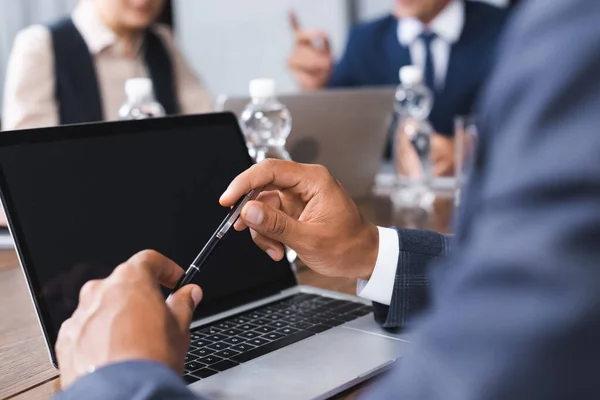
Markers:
(214, 240)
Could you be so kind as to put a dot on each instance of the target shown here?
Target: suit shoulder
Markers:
(486, 21)
(486, 13)
(367, 31)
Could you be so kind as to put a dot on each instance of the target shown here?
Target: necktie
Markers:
(429, 72)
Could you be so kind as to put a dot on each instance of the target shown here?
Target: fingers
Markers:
(307, 60)
(67, 357)
(272, 223)
(293, 19)
(87, 291)
(408, 163)
(293, 208)
(311, 62)
(61, 348)
(443, 155)
(182, 304)
(273, 248)
(271, 198)
(317, 40)
(308, 81)
(160, 268)
(322, 43)
(270, 174)
(62, 334)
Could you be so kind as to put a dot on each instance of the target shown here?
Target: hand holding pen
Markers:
(214, 240)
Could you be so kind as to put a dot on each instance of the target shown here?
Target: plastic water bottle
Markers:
(140, 103)
(266, 122)
(413, 104)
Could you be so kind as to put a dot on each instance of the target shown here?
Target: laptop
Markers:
(82, 199)
(343, 129)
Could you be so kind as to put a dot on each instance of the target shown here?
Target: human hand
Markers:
(124, 317)
(442, 156)
(311, 61)
(305, 208)
(442, 153)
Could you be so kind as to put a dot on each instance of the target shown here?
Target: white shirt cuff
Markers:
(380, 288)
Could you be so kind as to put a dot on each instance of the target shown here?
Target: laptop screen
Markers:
(83, 199)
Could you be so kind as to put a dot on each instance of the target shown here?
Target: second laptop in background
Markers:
(344, 130)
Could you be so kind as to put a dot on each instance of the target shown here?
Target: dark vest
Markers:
(77, 91)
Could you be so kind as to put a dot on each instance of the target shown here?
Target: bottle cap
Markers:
(411, 75)
(139, 88)
(262, 88)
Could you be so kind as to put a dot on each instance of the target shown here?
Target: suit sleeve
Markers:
(517, 315)
(134, 380)
(410, 291)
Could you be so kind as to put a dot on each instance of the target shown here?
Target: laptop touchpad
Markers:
(308, 369)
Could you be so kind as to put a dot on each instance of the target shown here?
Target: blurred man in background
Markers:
(452, 41)
(75, 69)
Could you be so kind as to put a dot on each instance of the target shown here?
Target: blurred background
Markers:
(227, 42)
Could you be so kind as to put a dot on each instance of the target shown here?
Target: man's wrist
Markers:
(380, 286)
(370, 250)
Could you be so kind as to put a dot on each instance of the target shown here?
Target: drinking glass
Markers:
(412, 158)
(465, 143)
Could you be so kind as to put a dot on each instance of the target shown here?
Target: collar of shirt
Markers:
(447, 25)
(96, 34)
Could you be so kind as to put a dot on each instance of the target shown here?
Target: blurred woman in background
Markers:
(74, 70)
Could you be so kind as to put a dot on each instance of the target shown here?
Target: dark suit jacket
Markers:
(515, 308)
(374, 56)
(418, 249)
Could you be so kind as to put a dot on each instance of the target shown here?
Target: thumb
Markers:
(183, 303)
(272, 223)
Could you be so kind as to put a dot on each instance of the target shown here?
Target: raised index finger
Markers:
(268, 174)
(294, 23)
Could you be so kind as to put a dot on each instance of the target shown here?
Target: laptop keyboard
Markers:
(236, 340)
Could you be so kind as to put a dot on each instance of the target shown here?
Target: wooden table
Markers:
(25, 369)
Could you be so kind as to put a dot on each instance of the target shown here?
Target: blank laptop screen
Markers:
(83, 199)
